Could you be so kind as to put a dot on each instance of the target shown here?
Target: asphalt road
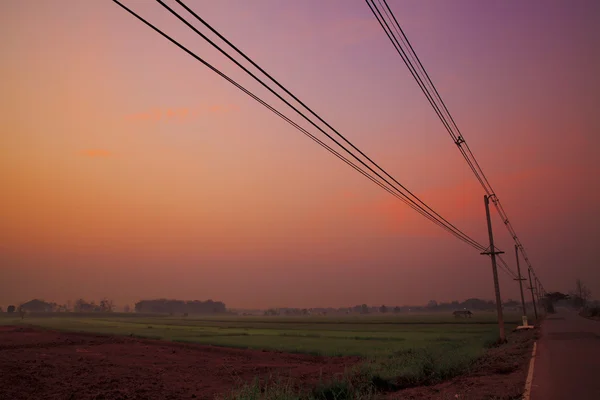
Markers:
(567, 364)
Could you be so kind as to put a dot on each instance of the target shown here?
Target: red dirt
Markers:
(44, 364)
(500, 375)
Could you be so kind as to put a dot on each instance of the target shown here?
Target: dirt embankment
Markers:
(500, 375)
(43, 364)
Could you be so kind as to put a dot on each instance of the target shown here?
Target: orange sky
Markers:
(129, 170)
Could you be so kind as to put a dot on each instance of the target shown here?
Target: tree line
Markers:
(472, 304)
(105, 305)
(579, 297)
(81, 305)
(167, 306)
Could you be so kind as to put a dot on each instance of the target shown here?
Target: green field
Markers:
(399, 350)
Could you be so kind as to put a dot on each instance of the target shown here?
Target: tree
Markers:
(511, 304)
(582, 294)
(62, 308)
(397, 309)
(557, 296)
(432, 304)
(165, 306)
(38, 306)
(1, 310)
(364, 309)
(10, 309)
(127, 308)
(106, 305)
(83, 306)
(383, 309)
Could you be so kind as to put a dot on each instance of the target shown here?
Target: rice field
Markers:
(399, 350)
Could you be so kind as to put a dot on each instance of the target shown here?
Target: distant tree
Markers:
(383, 309)
(127, 308)
(37, 306)
(511, 304)
(477, 304)
(432, 304)
(1, 310)
(364, 309)
(22, 312)
(397, 309)
(581, 295)
(10, 309)
(83, 306)
(165, 306)
(557, 296)
(106, 305)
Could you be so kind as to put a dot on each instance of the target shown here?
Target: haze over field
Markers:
(129, 170)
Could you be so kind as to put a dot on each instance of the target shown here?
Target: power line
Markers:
(505, 267)
(399, 195)
(457, 139)
(430, 210)
(440, 109)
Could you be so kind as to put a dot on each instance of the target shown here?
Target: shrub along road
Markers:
(568, 358)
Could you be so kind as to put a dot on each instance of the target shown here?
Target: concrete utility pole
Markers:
(540, 296)
(521, 279)
(532, 295)
(493, 253)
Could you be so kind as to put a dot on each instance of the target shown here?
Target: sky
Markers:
(129, 170)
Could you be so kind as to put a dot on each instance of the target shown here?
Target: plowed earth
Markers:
(44, 364)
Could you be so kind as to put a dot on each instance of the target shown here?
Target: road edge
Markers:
(529, 381)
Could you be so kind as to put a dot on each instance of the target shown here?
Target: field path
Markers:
(568, 359)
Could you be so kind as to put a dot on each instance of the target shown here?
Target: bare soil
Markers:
(499, 375)
(44, 364)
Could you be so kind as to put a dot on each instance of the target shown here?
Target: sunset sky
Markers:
(130, 170)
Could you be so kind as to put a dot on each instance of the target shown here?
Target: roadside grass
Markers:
(398, 351)
(368, 380)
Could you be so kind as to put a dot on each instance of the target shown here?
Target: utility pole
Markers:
(539, 294)
(492, 253)
(532, 295)
(521, 279)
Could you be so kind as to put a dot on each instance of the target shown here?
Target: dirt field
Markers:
(44, 364)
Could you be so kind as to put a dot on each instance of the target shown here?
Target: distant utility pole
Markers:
(493, 253)
(521, 279)
(539, 294)
(532, 295)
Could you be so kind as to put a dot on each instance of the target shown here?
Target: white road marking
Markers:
(529, 380)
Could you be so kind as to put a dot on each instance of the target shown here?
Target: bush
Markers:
(591, 312)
